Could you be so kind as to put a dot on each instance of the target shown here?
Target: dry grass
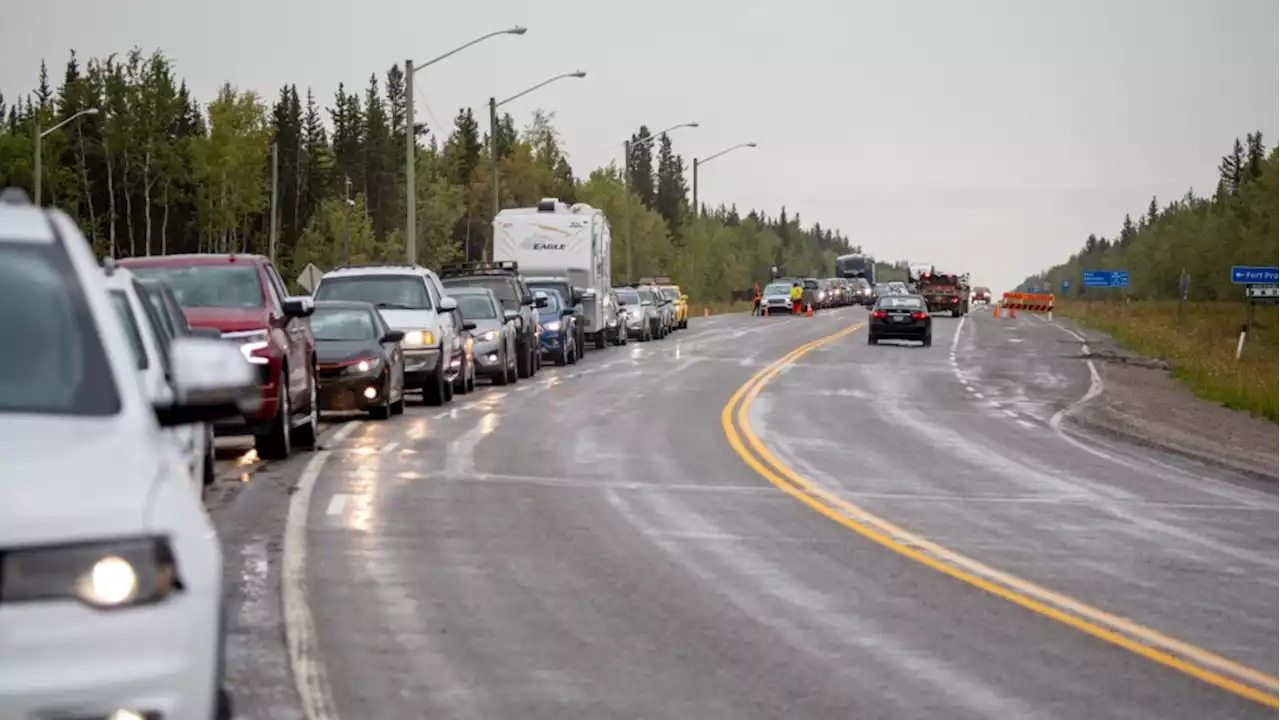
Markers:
(717, 307)
(1202, 351)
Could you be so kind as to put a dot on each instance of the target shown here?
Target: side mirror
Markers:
(211, 381)
(567, 312)
(468, 326)
(448, 304)
(510, 315)
(393, 336)
(540, 301)
(578, 296)
(622, 303)
(298, 306)
(206, 332)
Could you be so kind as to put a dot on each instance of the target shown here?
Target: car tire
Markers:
(433, 391)
(622, 336)
(383, 411)
(513, 369)
(563, 358)
(208, 473)
(871, 339)
(306, 435)
(928, 339)
(223, 709)
(600, 340)
(503, 377)
(275, 444)
(573, 351)
(397, 407)
(524, 361)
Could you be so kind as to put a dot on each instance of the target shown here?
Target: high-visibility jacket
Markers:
(796, 293)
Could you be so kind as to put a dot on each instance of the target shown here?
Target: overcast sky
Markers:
(989, 136)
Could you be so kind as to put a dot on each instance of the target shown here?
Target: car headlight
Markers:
(251, 343)
(104, 575)
(487, 336)
(419, 337)
(553, 326)
(364, 366)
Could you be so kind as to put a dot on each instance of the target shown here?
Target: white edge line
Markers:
(309, 673)
(389, 448)
(344, 431)
(955, 339)
(337, 504)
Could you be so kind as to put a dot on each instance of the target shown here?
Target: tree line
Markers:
(1203, 236)
(158, 171)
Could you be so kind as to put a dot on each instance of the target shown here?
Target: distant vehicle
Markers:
(244, 297)
(944, 292)
(856, 265)
(897, 286)
(512, 290)
(651, 298)
(863, 292)
(641, 318)
(360, 359)
(900, 317)
(981, 295)
(410, 298)
(558, 339)
(559, 240)
(776, 298)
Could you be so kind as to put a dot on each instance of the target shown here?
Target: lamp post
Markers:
(39, 180)
(411, 140)
(697, 209)
(626, 187)
(493, 142)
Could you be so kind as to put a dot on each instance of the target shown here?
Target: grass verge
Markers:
(1201, 351)
(717, 307)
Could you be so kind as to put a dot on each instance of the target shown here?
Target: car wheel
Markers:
(600, 340)
(573, 351)
(222, 708)
(397, 407)
(433, 391)
(305, 435)
(504, 376)
(524, 361)
(623, 336)
(208, 472)
(563, 358)
(383, 411)
(274, 443)
(928, 339)
(871, 339)
(513, 369)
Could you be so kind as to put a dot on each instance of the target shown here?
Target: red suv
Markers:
(244, 298)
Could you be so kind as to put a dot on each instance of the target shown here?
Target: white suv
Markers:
(111, 593)
(410, 298)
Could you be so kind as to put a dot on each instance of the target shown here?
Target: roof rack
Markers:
(389, 263)
(496, 267)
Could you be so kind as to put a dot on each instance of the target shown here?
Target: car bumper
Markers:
(420, 364)
(65, 660)
(339, 395)
(890, 330)
(488, 359)
(774, 305)
(552, 344)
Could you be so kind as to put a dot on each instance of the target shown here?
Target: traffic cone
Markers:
(995, 310)
(764, 311)
(809, 310)
(706, 312)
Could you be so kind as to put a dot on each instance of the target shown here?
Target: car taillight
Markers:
(879, 314)
(955, 299)
(919, 316)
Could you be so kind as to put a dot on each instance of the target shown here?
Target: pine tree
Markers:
(670, 200)
(641, 162)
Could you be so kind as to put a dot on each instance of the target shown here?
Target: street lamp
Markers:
(411, 140)
(493, 134)
(626, 186)
(697, 209)
(40, 136)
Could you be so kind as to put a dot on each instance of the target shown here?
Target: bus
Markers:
(857, 266)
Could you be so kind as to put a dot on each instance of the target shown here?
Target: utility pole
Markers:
(346, 224)
(697, 209)
(626, 203)
(493, 156)
(275, 200)
(39, 159)
(410, 151)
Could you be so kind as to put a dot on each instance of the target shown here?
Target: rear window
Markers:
(646, 293)
(120, 301)
(502, 287)
(389, 292)
(565, 291)
(62, 368)
(210, 286)
(628, 295)
(907, 302)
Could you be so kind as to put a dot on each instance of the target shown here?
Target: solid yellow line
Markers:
(830, 505)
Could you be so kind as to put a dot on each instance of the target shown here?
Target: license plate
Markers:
(899, 318)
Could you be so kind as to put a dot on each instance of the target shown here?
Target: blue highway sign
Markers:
(1106, 278)
(1248, 275)
(1066, 285)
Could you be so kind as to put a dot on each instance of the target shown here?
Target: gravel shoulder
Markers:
(1142, 403)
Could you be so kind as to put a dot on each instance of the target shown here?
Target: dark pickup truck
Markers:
(504, 279)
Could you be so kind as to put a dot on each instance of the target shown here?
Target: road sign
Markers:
(310, 277)
(1033, 289)
(1066, 285)
(1246, 275)
(1263, 295)
(1106, 278)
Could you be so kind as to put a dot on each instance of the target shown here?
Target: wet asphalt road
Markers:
(588, 544)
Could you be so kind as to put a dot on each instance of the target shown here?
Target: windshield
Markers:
(502, 287)
(389, 292)
(811, 284)
(120, 302)
(562, 289)
(210, 286)
(777, 290)
(628, 296)
(342, 324)
(62, 368)
(553, 303)
(475, 307)
(646, 293)
(902, 301)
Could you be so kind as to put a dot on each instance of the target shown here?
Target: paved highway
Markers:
(756, 518)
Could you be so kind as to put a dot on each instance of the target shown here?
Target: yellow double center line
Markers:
(1122, 632)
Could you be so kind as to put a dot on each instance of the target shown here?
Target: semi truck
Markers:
(566, 242)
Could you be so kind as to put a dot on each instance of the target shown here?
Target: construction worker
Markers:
(755, 309)
(797, 298)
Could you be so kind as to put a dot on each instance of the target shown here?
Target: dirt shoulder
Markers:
(1142, 403)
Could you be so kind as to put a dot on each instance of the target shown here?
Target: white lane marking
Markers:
(978, 395)
(299, 625)
(440, 415)
(1010, 413)
(389, 448)
(1027, 425)
(337, 504)
(344, 431)
(970, 388)
(955, 339)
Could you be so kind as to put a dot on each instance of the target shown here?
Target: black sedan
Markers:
(359, 359)
(900, 317)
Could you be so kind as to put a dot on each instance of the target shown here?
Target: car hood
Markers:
(227, 319)
(336, 351)
(107, 468)
(409, 319)
(545, 318)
